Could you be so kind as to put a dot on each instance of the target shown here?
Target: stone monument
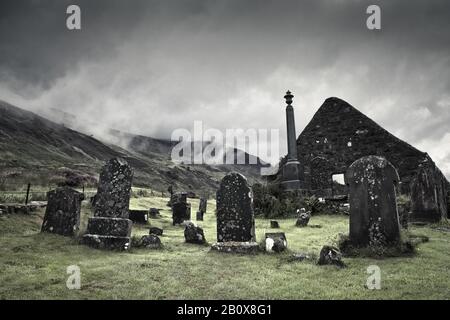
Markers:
(110, 227)
(291, 169)
(235, 218)
(62, 215)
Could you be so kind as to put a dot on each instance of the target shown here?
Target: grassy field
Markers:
(33, 265)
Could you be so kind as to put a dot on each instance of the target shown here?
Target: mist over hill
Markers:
(44, 152)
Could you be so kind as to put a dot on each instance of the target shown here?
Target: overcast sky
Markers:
(150, 67)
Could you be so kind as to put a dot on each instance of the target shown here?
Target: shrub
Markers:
(271, 205)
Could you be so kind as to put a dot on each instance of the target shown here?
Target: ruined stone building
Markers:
(339, 134)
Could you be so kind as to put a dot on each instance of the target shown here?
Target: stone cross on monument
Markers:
(291, 169)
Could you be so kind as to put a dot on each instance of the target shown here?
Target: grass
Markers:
(33, 265)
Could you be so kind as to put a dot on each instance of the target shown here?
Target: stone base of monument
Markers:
(107, 242)
(248, 247)
(108, 233)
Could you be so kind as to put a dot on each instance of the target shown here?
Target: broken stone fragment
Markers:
(275, 242)
(150, 242)
(194, 234)
(303, 219)
(330, 256)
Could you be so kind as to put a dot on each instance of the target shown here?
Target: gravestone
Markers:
(373, 205)
(235, 218)
(330, 256)
(428, 197)
(303, 218)
(202, 209)
(194, 234)
(156, 231)
(274, 224)
(110, 227)
(150, 241)
(181, 210)
(62, 215)
(276, 242)
(154, 213)
(139, 216)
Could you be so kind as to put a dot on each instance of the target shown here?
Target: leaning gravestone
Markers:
(110, 227)
(235, 219)
(373, 204)
(62, 215)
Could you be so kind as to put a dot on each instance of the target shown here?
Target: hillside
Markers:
(37, 150)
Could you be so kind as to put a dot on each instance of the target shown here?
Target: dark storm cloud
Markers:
(153, 66)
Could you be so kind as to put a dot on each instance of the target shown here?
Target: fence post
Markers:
(28, 193)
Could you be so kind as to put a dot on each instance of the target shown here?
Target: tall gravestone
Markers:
(428, 198)
(110, 227)
(181, 209)
(235, 218)
(373, 205)
(62, 215)
(202, 209)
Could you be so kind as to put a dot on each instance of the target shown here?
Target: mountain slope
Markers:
(35, 149)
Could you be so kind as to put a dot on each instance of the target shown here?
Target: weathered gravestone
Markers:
(373, 204)
(139, 216)
(62, 215)
(202, 209)
(194, 234)
(181, 209)
(330, 256)
(235, 218)
(110, 227)
(303, 218)
(276, 242)
(274, 224)
(154, 213)
(428, 195)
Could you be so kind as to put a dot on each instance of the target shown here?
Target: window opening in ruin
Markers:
(338, 178)
(339, 187)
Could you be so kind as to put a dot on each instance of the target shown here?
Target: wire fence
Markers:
(26, 193)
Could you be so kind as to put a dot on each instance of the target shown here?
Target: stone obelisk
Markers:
(291, 169)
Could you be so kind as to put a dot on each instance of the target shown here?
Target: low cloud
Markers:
(149, 67)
